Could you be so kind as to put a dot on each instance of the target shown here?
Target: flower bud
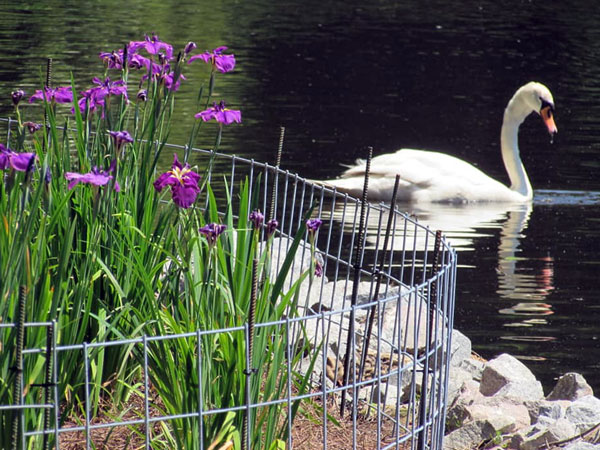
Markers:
(189, 47)
(48, 176)
(17, 96)
(313, 225)
(271, 227)
(32, 127)
(257, 218)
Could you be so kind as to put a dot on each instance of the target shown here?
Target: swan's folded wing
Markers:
(424, 177)
(425, 167)
(418, 167)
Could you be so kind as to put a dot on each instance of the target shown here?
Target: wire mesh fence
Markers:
(366, 349)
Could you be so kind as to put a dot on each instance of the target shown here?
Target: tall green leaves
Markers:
(109, 264)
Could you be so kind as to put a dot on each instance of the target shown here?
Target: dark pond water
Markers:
(343, 75)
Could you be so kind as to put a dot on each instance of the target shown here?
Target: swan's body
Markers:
(427, 177)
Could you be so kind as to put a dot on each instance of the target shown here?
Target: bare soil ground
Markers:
(307, 430)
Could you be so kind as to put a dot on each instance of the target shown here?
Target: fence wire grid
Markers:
(379, 324)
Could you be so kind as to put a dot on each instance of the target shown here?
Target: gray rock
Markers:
(571, 386)
(545, 421)
(474, 367)
(279, 251)
(386, 394)
(413, 322)
(534, 437)
(407, 373)
(584, 413)
(552, 410)
(460, 348)
(396, 327)
(413, 389)
(545, 410)
(519, 437)
(509, 399)
(507, 376)
(580, 445)
(467, 394)
(458, 377)
(336, 298)
(513, 409)
(469, 436)
(507, 415)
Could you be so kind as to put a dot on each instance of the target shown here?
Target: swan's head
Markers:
(539, 99)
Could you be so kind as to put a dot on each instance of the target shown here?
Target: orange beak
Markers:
(546, 113)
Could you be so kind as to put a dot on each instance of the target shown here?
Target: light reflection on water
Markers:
(566, 198)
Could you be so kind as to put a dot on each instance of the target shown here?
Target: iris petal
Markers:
(183, 182)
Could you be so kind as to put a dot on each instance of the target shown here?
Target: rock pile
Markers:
(500, 404)
(496, 404)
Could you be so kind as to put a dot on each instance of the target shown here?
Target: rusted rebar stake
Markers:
(18, 386)
(48, 384)
(246, 444)
(356, 277)
(276, 177)
(378, 273)
(434, 268)
(48, 85)
(422, 439)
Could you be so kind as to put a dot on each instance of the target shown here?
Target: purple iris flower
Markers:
(17, 96)
(212, 231)
(138, 61)
(114, 59)
(189, 47)
(58, 95)
(183, 182)
(94, 97)
(157, 72)
(169, 80)
(32, 127)
(141, 62)
(147, 64)
(162, 74)
(152, 45)
(107, 87)
(121, 138)
(318, 268)
(89, 101)
(22, 162)
(257, 218)
(142, 95)
(223, 63)
(220, 113)
(313, 225)
(271, 227)
(96, 177)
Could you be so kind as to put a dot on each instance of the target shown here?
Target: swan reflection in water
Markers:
(523, 281)
(528, 285)
(520, 280)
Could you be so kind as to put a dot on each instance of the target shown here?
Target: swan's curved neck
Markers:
(514, 115)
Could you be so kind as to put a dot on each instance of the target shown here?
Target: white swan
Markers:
(427, 177)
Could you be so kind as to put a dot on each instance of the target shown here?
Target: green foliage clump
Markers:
(90, 240)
